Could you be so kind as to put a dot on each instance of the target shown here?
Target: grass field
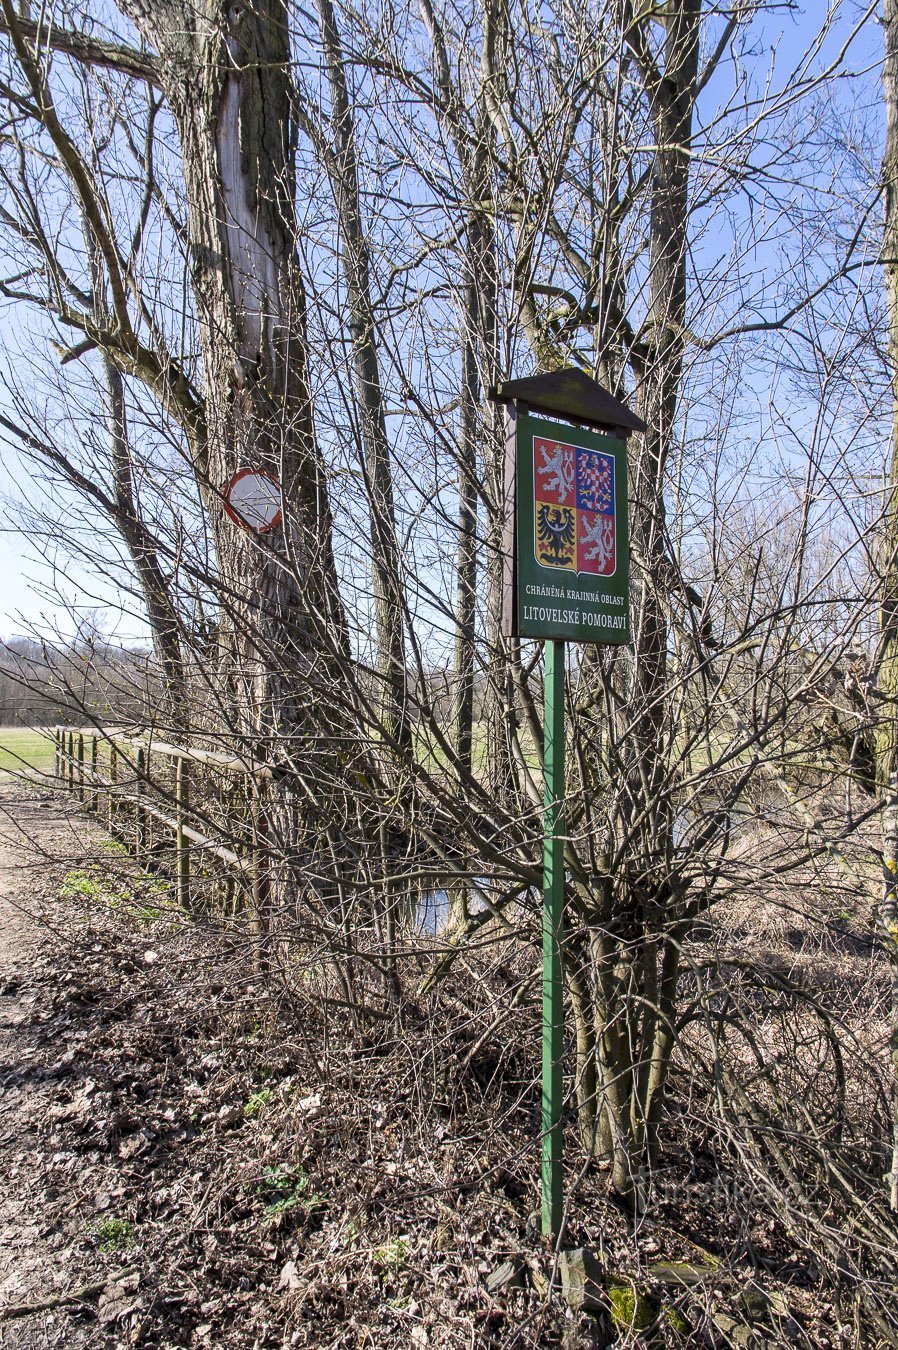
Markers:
(22, 749)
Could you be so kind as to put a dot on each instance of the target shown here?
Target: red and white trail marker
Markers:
(252, 498)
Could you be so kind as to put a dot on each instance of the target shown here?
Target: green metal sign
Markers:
(570, 554)
(566, 561)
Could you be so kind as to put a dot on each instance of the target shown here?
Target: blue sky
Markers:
(26, 599)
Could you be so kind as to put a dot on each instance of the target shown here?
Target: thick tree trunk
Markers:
(226, 75)
(671, 96)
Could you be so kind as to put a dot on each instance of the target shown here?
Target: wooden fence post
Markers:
(140, 841)
(182, 803)
(113, 779)
(259, 920)
(246, 882)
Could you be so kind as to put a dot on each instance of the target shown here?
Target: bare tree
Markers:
(887, 674)
(480, 191)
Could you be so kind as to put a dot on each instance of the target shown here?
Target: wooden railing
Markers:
(149, 808)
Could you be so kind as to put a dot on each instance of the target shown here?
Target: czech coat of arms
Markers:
(573, 508)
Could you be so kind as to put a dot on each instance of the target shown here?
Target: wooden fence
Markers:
(143, 791)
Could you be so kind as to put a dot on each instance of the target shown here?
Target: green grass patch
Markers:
(114, 1235)
(434, 759)
(91, 884)
(392, 1255)
(23, 748)
(256, 1102)
(146, 900)
(288, 1188)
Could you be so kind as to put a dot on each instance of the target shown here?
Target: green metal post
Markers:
(553, 918)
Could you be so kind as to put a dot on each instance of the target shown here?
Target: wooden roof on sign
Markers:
(570, 393)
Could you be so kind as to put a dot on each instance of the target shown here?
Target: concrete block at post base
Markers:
(582, 1280)
(508, 1275)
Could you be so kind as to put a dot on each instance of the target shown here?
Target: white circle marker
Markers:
(252, 498)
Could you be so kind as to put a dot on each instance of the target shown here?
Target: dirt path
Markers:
(120, 1116)
(37, 1263)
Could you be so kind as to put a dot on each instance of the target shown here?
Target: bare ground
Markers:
(183, 1168)
(191, 1160)
(94, 1250)
(37, 1199)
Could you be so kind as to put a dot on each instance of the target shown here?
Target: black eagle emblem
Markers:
(555, 534)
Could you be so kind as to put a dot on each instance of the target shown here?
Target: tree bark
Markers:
(635, 962)
(478, 328)
(386, 562)
(226, 73)
(162, 614)
(887, 674)
(671, 95)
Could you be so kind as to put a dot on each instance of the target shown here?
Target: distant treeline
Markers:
(42, 684)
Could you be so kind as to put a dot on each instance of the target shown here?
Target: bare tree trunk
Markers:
(671, 96)
(499, 716)
(386, 566)
(477, 444)
(478, 321)
(633, 1030)
(162, 614)
(478, 353)
(226, 73)
(887, 675)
